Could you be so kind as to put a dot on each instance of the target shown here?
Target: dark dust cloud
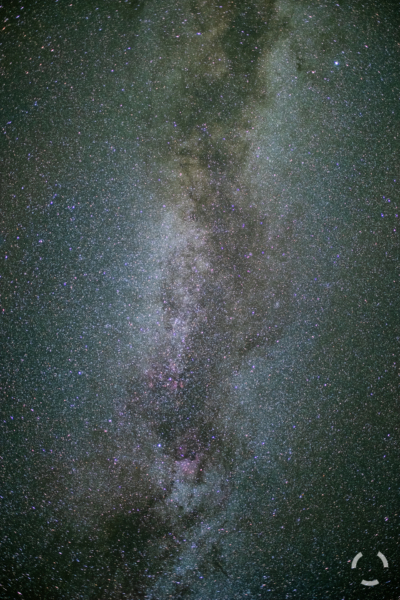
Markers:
(199, 265)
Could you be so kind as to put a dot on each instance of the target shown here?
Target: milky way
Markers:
(199, 299)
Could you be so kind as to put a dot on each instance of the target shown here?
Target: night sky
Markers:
(199, 279)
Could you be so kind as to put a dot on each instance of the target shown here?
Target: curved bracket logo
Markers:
(369, 582)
